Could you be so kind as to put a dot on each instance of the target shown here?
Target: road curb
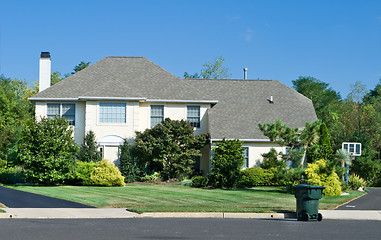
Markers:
(366, 193)
(216, 215)
(102, 213)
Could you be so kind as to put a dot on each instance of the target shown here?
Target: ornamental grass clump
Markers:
(356, 182)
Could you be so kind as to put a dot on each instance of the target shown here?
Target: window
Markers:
(157, 114)
(193, 116)
(246, 156)
(65, 110)
(112, 113)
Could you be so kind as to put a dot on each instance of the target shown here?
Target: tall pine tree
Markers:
(325, 148)
(89, 149)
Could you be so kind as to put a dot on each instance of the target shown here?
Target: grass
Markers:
(176, 198)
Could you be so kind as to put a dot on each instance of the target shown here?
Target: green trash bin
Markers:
(307, 202)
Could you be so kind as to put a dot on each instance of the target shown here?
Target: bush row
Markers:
(103, 173)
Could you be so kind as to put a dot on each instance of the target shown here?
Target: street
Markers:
(94, 229)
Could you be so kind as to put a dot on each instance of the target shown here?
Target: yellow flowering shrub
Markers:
(106, 174)
(318, 174)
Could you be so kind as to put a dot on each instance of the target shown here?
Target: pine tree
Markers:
(129, 165)
(325, 148)
(89, 149)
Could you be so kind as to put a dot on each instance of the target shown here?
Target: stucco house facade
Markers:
(117, 96)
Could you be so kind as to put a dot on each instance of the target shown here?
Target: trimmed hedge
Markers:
(257, 177)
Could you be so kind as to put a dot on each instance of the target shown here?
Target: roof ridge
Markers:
(122, 57)
(226, 79)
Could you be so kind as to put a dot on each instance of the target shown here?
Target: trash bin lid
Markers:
(308, 186)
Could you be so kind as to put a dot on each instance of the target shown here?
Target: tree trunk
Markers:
(304, 161)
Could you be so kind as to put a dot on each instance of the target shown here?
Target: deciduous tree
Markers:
(169, 148)
(212, 70)
(47, 150)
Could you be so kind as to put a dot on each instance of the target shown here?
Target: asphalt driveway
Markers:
(370, 201)
(18, 199)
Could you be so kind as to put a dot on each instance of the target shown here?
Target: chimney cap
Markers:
(45, 54)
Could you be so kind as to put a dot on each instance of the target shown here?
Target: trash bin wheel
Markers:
(305, 217)
(320, 217)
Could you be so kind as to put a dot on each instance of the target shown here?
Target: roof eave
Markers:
(242, 140)
(113, 98)
(54, 99)
(182, 101)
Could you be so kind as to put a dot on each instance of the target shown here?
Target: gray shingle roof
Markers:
(123, 77)
(242, 104)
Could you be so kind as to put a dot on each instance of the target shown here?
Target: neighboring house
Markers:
(117, 96)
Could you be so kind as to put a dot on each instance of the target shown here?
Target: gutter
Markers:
(114, 98)
(182, 101)
(84, 98)
(242, 140)
(54, 99)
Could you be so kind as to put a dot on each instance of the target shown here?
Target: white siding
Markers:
(137, 119)
(79, 129)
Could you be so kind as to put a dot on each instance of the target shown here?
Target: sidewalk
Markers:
(51, 213)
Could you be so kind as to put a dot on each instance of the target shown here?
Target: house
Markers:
(117, 96)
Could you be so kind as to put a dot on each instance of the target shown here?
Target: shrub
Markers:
(332, 185)
(318, 174)
(257, 177)
(344, 186)
(227, 163)
(106, 174)
(355, 182)
(155, 177)
(199, 181)
(12, 175)
(3, 164)
(83, 171)
(294, 175)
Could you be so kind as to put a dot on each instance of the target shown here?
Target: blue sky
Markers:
(338, 42)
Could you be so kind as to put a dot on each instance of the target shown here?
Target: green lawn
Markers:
(176, 198)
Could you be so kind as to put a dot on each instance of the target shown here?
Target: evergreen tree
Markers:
(325, 148)
(89, 149)
(129, 165)
(227, 163)
(270, 160)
